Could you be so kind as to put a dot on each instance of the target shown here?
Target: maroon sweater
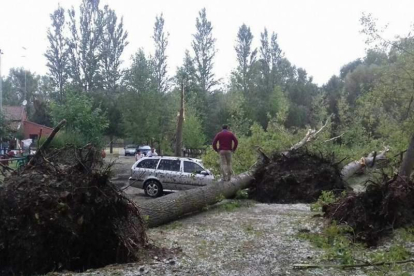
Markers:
(224, 138)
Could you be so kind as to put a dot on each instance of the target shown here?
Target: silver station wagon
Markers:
(157, 174)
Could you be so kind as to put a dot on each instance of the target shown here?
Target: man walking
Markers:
(225, 149)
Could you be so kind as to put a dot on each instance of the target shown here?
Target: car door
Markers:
(169, 173)
(142, 170)
(192, 175)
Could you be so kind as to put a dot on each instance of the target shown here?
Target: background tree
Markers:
(204, 50)
(114, 41)
(246, 57)
(85, 45)
(21, 85)
(186, 77)
(160, 57)
(82, 118)
(193, 136)
(57, 53)
(4, 130)
(141, 103)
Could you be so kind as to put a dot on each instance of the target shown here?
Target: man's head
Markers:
(225, 127)
(138, 151)
(152, 149)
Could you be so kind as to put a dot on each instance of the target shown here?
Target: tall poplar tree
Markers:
(114, 41)
(84, 45)
(204, 50)
(57, 53)
(160, 38)
(246, 56)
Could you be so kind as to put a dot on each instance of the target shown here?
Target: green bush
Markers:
(327, 197)
(84, 121)
(64, 138)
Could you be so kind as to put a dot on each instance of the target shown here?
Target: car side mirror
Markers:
(204, 173)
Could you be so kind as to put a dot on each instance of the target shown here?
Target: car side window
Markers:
(148, 164)
(191, 167)
(169, 165)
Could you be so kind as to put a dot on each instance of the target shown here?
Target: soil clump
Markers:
(299, 177)
(63, 213)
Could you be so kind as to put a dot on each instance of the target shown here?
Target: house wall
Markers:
(31, 128)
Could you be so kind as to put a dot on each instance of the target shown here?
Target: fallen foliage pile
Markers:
(62, 213)
(377, 211)
(298, 177)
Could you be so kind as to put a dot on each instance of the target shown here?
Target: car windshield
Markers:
(131, 147)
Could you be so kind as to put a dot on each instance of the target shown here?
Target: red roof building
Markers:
(16, 117)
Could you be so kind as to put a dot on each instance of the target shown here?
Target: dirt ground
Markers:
(251, 239)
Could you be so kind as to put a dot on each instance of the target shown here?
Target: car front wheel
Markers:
(153, 188)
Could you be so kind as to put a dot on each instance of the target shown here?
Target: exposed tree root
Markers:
(62, 213)
(299, 177)
(375, 212)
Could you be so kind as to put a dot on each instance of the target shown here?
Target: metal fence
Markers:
(194, 152)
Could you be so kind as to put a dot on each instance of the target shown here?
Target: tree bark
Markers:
(111, 144)
(350, 169)
(179, 142)
(171, 207)
(408, 161)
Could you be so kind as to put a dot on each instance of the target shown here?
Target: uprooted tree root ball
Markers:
(377, 211)
(299, 177)
(62, 213)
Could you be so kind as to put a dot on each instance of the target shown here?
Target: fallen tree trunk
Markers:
(169, 208)
(350, 169)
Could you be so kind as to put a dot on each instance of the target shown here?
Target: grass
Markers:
(337, 243)
(233, 205)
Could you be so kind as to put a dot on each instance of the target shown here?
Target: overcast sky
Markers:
(317, 35)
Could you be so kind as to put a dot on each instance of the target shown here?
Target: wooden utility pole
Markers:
(179, 142)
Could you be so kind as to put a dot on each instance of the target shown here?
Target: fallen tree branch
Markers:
(5, 167)
(334, 138)
(340, 161)
(310, 266)
(350, 169)
(46, 143)
(264, 158)
(310, 136)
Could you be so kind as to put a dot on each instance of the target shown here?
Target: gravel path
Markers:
(253, 239)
